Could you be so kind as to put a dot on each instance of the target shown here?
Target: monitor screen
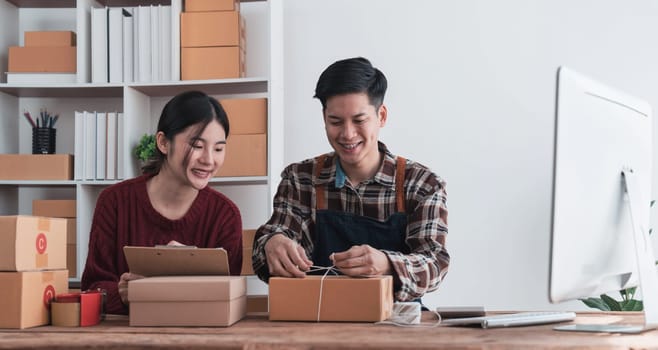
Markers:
(601, 189)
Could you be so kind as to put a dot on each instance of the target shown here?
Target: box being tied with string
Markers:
(331, 298)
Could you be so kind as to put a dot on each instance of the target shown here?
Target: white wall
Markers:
(472, 96)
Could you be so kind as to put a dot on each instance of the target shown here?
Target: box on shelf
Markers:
(256, 304)
(187, 300)
(247, 249)
(78, 309)
(36, 167)
(32, 243)
(204, 29)
(246, 115)
(25, 297)
(198, 63)
(246, 155)
(50, 38)
(211, 5)
(71, 247)
(61, 59)
(54, 208)
(343, 298)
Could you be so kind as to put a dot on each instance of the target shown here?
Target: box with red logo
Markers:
(30, 243)
(25, 297)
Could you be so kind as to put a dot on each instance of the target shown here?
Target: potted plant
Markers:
(145, 148)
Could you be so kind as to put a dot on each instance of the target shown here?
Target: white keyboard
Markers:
(512, 320)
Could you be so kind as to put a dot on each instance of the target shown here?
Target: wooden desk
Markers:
(258, 333)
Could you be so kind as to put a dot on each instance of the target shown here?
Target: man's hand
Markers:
(362, 260)
(123, 285)
(285, 257)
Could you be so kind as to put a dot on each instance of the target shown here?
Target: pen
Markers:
(29, 119)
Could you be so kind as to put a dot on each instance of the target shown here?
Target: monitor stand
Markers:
(646, 267)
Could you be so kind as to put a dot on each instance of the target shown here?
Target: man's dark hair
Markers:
(352, 75)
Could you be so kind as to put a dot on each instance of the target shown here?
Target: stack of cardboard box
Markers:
(44, 51)
(62, 208)
(246, 146)
(212, 40)
(33, 269)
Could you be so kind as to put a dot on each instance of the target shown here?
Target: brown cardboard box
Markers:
(343, 298)
(25, 297)
(49, 38)
(204, 29)
(32, 243)
(247, 249)
(36, 167)
(71, 247)
(211, 5)
(198, 63)
(187, 300)
(60, 59)
(55, 208)
(246, 115)
(256, 304)
(72, 260)
(246, 155)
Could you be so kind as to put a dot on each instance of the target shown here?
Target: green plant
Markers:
(627, 302)
(145, 148)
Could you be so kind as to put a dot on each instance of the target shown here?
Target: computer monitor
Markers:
(601, 185)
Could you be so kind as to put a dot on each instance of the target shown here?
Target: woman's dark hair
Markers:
(182, 111)
(352, 75)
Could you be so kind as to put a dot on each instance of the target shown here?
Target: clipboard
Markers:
(176, 261)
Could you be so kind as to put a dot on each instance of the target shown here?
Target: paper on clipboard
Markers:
(176, 261)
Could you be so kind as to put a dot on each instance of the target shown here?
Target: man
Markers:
(360, 208)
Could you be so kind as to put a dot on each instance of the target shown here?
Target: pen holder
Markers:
(43, 140)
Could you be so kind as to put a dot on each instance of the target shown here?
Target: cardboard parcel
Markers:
(187, 300)
(342, 299)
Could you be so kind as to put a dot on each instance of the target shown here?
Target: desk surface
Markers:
(256, 332)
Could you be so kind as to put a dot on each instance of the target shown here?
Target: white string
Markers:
(402, 320)
(314, 268)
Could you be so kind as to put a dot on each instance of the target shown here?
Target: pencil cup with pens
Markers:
(43, 132)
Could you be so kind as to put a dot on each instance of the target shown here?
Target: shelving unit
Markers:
(141, 104)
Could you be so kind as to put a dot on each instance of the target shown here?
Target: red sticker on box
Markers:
(42, 243)
(48, 295)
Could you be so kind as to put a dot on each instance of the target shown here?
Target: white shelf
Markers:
(141, 104)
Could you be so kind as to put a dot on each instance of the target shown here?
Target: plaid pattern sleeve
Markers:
(291, 214)
(422, 270)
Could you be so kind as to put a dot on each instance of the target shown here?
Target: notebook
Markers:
(512, 320)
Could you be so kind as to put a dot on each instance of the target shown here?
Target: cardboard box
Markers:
(55, 208)
(246, 155)
(205, 29)
(343, 298)
(211, 5)
(246, 115)
(32, 243)
(49, 38)
(36, 167)
(71, 248)
(59, 59)
(187, 300)
(72, 259)
(80, 309)
(256, 304)
(247, 249)
(198, 63)
(25, 297)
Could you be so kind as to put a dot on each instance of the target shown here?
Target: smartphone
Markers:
(460, 311)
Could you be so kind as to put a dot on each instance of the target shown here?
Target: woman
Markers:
(170, 203)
